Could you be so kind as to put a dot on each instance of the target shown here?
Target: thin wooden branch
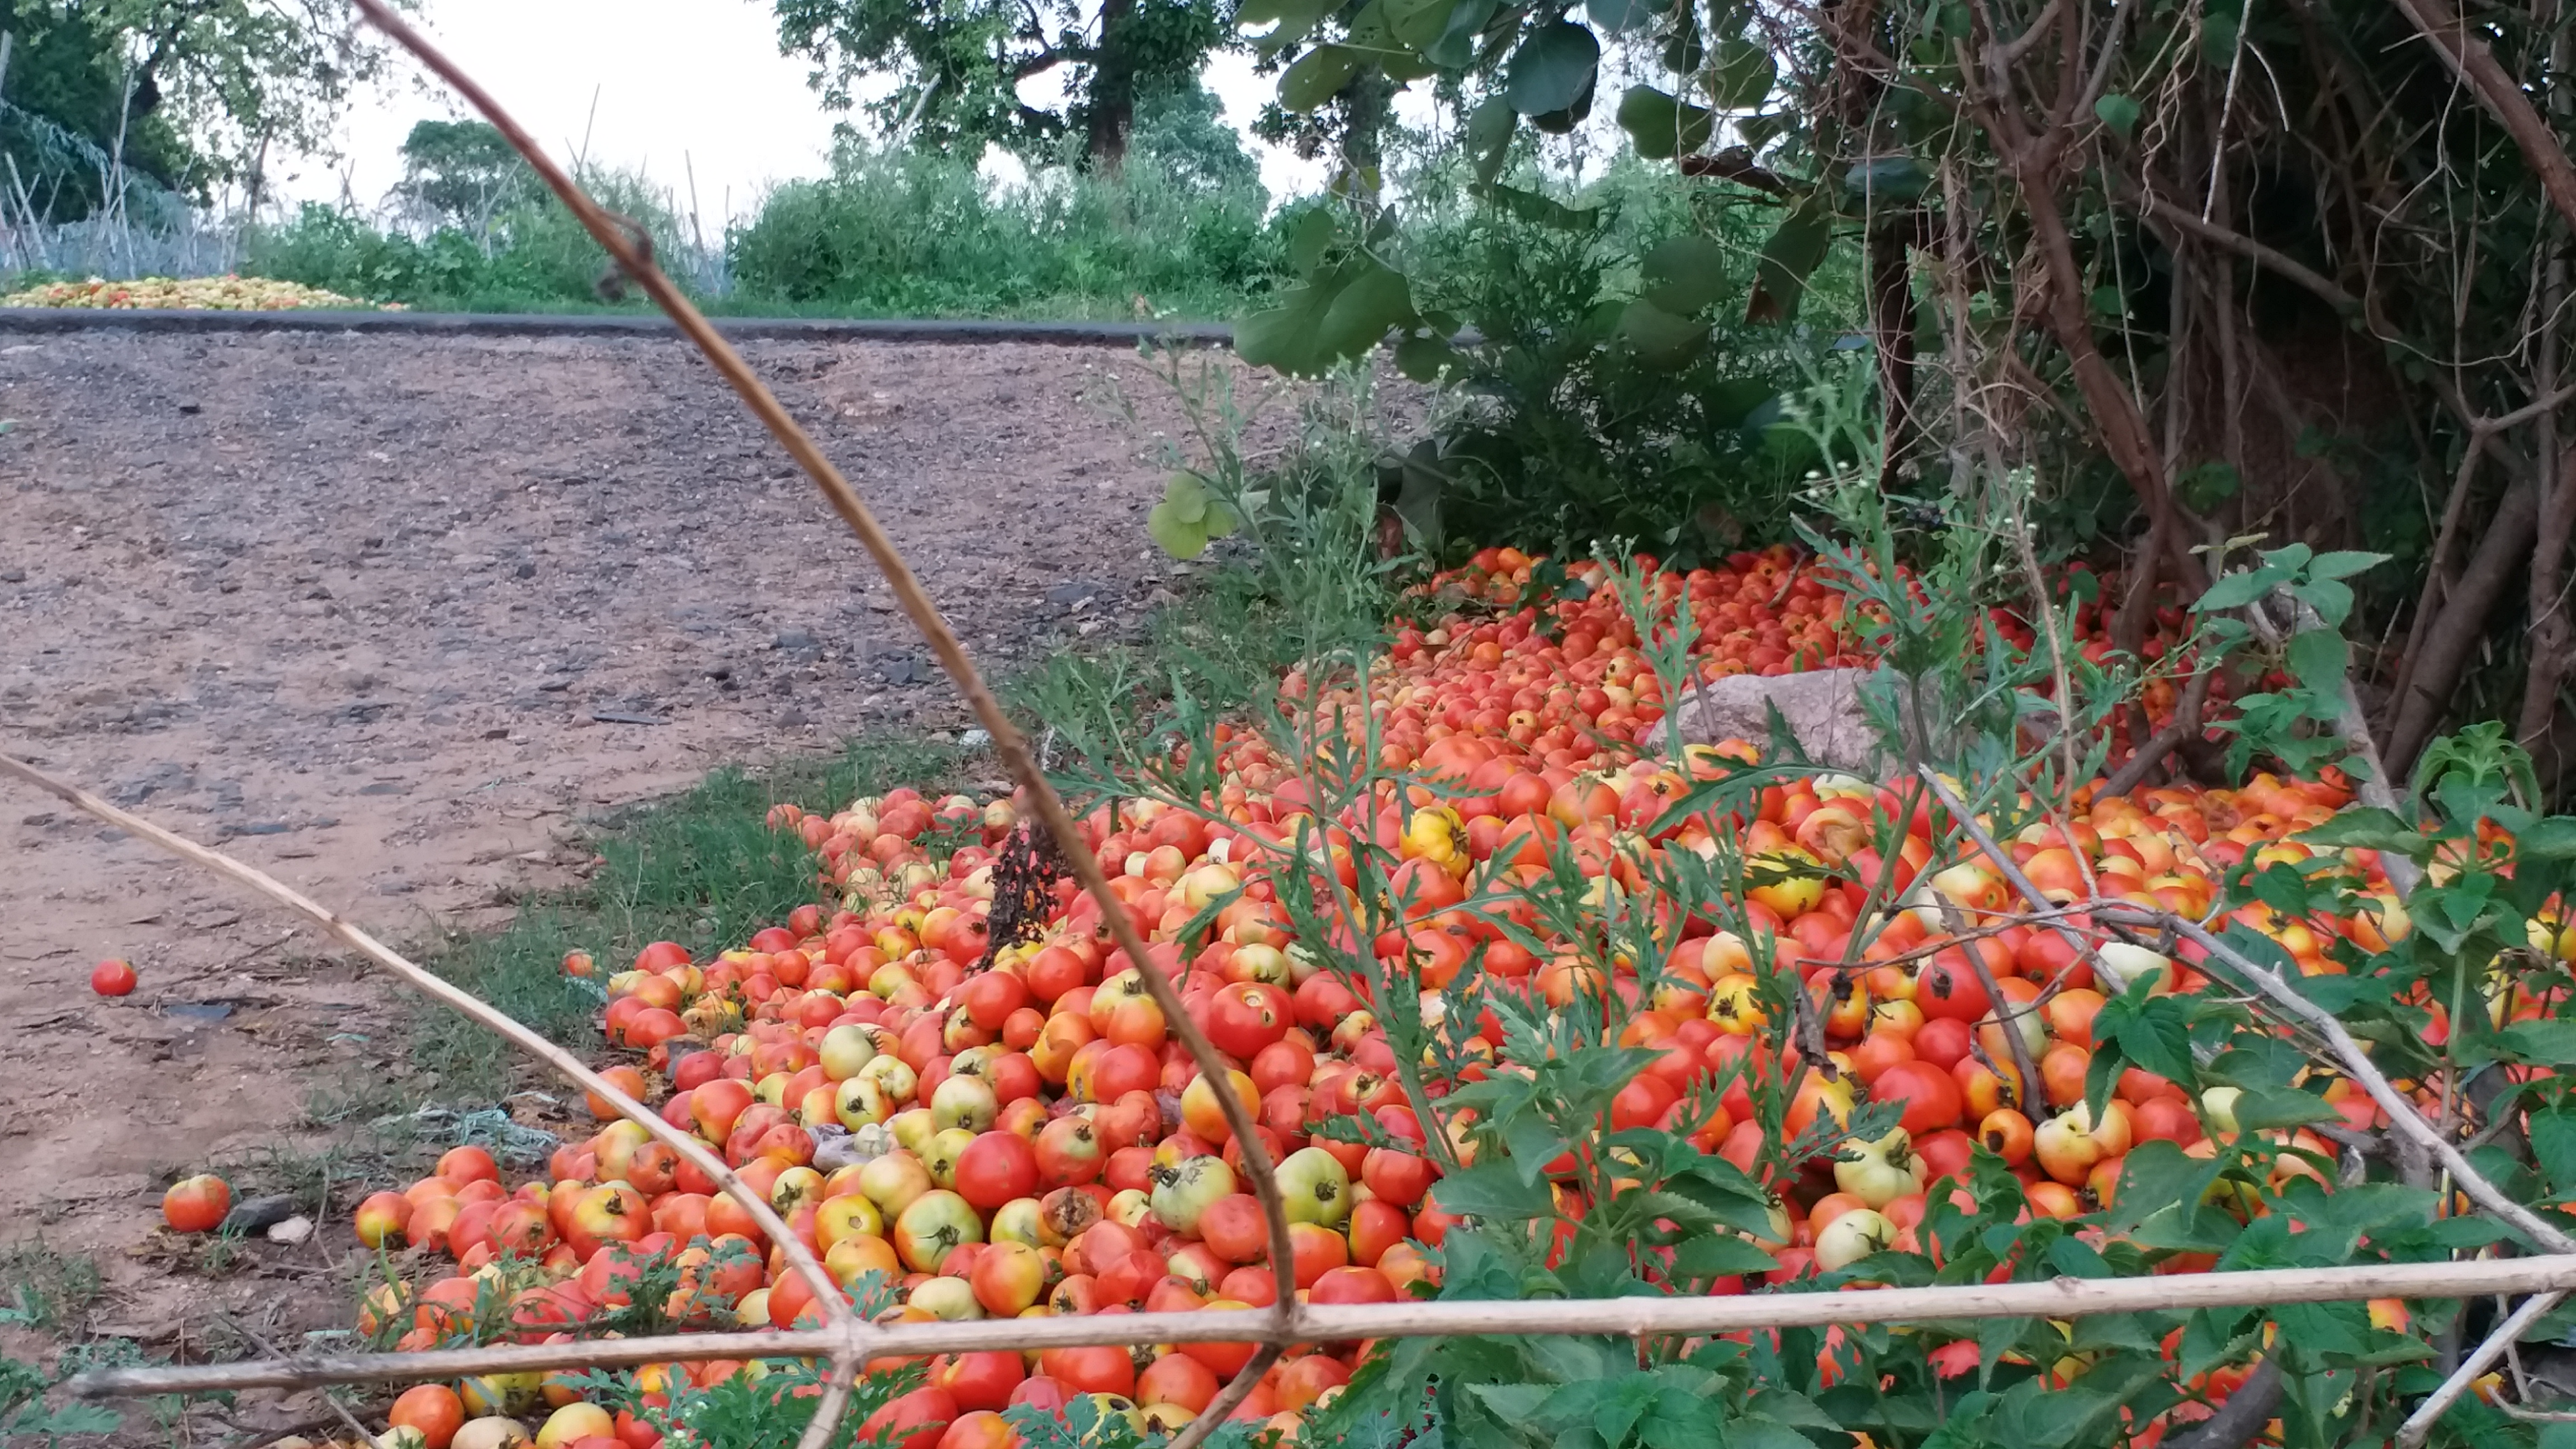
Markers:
(2244, 1414)
(2356, 1064)
(827, 1292)
(2501, 94)
(637, 262)
(2012, 870)
(2186, 723)
(2474, 1366)
(2247, 247)
(1620, 1317)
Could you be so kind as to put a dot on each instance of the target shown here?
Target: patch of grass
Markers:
(42, 1287)
(702, 868)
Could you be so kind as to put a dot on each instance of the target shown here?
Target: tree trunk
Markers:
(1367, 102)
(2453, 638)
(1112, 103)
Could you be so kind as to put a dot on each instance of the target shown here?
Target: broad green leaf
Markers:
(1552, 69)
(1371, 304)
(2541, 1043)
(1887, 179)
(1685, 274)
(1416, 23)
(1318, 76)
(2236, 590)
(1720, 1255)
(2366, 827)
(1489, 135)
(1492, 1189)
(1285, 337)
(1795, 247)
(1739, 74)
(1311, 235)
(2331, 598)
(1187, 497)
(1180, 537)
(2343, 563)
(2316, 659)
(2155, 1175)
(2262, 1108)
(2119, 113)
(1660, 339)
(1529, 206)
(1661, 126)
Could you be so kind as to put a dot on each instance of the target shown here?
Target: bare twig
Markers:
(2243, 1415)
(2356, 1064)
(1623, 1317)
(925, 615)
(2012, 870)
(2186, 723)
(2501, 94)
(2420, 1423)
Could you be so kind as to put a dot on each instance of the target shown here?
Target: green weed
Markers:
(43, 1287)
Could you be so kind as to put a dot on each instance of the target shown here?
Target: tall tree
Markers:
(72, 110)
(201, 90)
(958, 68)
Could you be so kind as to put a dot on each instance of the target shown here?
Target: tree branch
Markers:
(2420, 1423)
(2501, 94)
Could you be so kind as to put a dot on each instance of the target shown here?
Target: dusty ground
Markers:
(388, 618)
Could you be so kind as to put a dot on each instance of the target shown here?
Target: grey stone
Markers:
(1821, 707)
(260, 1213)
(292, 1231)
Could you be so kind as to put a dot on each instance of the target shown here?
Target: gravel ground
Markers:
(389, 617)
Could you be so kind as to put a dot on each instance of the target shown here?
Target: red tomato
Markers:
(112, 978)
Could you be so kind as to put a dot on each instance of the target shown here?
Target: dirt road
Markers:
(388, 617)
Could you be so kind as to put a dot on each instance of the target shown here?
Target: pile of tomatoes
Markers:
(1043, 1145)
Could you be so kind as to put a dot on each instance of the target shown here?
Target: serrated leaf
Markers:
(2343, 563)
(2263, 1108)
(1317, 77)
(1795, 247)
(1552, 69)
(1882, 179)
(2550, 1043)
(2365, 827)
(1531, 207)
(1662, 126)
(1720, 1255)
(2119, 113)
(1739, 74)
(1493, 1189)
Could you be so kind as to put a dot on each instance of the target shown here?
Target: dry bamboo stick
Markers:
(827, 1293)
(2508, 1333)
(1621, 1317)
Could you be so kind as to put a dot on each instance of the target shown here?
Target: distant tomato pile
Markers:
(189, 294)
(1049, 1148)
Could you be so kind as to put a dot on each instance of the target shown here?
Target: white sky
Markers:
(680, 85)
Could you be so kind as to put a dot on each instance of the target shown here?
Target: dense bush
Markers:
(1570, 424)
(906, 233)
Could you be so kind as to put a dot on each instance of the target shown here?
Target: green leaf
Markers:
(1415, 24)
(1372, 303)
(2236, 590)
(1317, 77)
(1795, 248)
(2343, 563)
(2263, 1108)
(2542, 1043)
(1489, 135)
(1494, 1189)
(1285, 337)
(1661, 126)
(1740, 73)
(1685, 274)
(1290, 21)
(2119, 113)
(1660, 339)
(2331, 598)
(1178, 536)
(1540, 210)
(1720, 1255)
(1187, 497)
(1882, 179)
(1552, 69)
(2364, 827)
(2156, 1175)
